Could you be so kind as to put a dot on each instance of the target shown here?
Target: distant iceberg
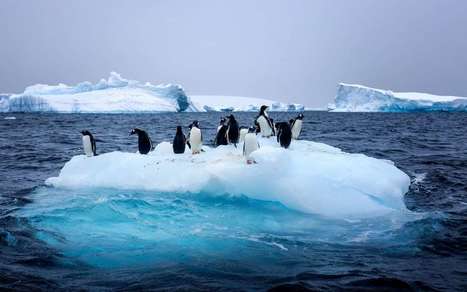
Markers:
(119, 95)
(220, 103)
(358, 98)
(113, 95)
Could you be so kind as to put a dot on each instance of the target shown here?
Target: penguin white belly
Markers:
(251, 144)
(296, 129)
(243, 132)
(87, 146)
(264, 126)
(195, 140)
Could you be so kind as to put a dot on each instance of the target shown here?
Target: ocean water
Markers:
(92, 239)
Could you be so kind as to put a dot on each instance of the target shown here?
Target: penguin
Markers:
(273, 126)
(89, 143)
(243, 132)
(251, 144)
(296, 125)
(221, 123)
(196, 139)
(144, 142)
(233, 132)
(264, 123)
(221, 136)
(179, 141)
(284, 134)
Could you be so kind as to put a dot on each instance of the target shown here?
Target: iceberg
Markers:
(119, 95)
(113, 95)
(221, 103)
(308, 177)
(358, 98)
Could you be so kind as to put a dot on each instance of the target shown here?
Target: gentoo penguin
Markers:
(251, 144)
(196, 139)
(284, 134)
(296, 125)
(179, 141)
(144, 142)
(233, 132)
(89, 144)
(243, 132)
(264, 123)
(221, 135)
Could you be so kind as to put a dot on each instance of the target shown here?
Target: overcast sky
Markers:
(286, 50)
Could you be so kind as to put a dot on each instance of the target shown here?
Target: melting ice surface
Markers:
(124, 208)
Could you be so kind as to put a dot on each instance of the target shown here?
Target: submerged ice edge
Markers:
(309, 177)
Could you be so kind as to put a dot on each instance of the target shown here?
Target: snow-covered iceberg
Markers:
(309, 177)
(220, 103)
(358, 98)
(119, 95)
(113, 95)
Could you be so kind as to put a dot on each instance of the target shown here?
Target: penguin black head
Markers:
(222, 121)
(300, 116)
(251, 130)
(86, 133)
(179, 129)
(195, 124)
(263, 109)
(136, 131)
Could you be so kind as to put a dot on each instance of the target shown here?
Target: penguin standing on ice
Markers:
(251, 144)
(179, 141)
(284, 134)
(233, 131)
(196, 139)
(89, 143)
(296, 125)
(221, 124)
(144, 142)
(243, 132)
(264, 123)
(273, 125)
(221, 135)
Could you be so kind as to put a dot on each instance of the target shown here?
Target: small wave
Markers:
(419, 178)
(9, 118)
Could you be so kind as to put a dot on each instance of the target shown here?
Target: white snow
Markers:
(359, 98)
(309, 177)
(239, 103)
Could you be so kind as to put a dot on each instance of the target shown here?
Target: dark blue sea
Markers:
(53, 239)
